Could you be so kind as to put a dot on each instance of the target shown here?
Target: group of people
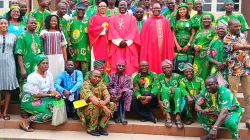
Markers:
(170, 53)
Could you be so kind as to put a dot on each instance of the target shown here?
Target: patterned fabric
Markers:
(149, 82)
(28, 46)
(202, 40)
(171, 99)
(104, 78)
(7, 62)
(99, 63)
(111, 12)
(191, 88)
(224, 98)
(139, 24)
(41, 109)
(93, 116)
(238, 60)
(217, 52)
(239, 17)
(119, 86)
(53, 41)
(17, 29)
(40, 18)
(197, 20)
(170, 15)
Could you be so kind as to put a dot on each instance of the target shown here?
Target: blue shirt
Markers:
(72, 82)
(17, 30)
(164, 9)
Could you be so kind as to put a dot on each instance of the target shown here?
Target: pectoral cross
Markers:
(120, 23)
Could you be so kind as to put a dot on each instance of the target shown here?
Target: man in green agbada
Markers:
(40, 14)
(146, 87)
(190, 85)
(112, 10)
(139, 17)
(218, 107)
(90, 9)
(99, 65)
(216, 55)
(229, 7)
(170, 97)
(28, 46)
(197, 18)
(171, 13)
(78, 33)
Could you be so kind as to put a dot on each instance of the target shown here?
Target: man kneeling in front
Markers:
(218, 107)
(96, 114)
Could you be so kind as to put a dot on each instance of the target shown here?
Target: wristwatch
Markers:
(188, 44)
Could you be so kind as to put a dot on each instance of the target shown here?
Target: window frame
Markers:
(214, 5)
(5, 5)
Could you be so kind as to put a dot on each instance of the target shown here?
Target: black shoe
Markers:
(248, 126)
(94, 133)
(152, 119)
(75, 117)
(103, 132)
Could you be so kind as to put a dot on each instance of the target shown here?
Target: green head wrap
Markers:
(189, 1)
(40, 58)
(226, 1)
(182, 5)
(14, 7)
(99, 63)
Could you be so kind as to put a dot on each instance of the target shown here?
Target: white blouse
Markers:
(37, 84)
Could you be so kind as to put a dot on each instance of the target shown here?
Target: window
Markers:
(218, 6)
(4, 5)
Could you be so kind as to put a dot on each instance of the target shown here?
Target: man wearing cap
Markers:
(170, 96)
(99, 65)
(78, 33)
(218, 107)
(229, 8)
(96, 114)
(146, 87)
(197, 18)
(98, 34)
(121, 94)
(190, 85)
(68, 84)
(238, 60)
(125, 40)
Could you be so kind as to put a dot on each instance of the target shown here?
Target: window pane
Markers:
(1, 4)
(207, 7)
(220, 1)
(208, 1)
(236, 7)
(236, 1)
(220, 7)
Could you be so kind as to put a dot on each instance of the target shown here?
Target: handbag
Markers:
(59, 113)
(180, 60)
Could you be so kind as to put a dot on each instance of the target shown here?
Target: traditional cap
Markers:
(40, 58)
(99, 63)
(166, 62)
(188, 66)
(182, 5)
(226, 1)
(123, 61)
(14, 7)
(80, 4)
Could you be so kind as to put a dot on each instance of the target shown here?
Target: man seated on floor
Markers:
(190, 85)
(146, 86)
(96, 114)
(218, 107)
(99, 65)
(68, 83)
(170, 97)
(121, 94)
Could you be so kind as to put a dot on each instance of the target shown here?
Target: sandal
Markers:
(168, 122)
(179, 124)
(124, 121)
(6, 117)
(27, 128)
(248, 126)
(207, 137)
(189, 122)
(117, 120)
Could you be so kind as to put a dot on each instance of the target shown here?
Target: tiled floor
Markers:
(77, 135)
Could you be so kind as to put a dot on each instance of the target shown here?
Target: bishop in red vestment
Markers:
(98, 36)
(125, 40)
(157, 41)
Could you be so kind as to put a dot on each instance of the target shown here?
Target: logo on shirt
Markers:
(76, 34)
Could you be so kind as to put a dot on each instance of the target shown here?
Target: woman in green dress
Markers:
(78, 32)
(216, 56)
(183, 36)
(39, 95)
(201, 45)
